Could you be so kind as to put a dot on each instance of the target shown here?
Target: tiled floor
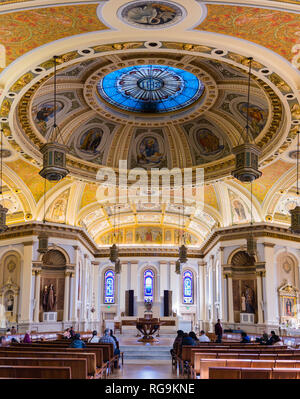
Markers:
(145, 371)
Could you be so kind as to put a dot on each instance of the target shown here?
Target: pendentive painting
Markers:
(151, 14)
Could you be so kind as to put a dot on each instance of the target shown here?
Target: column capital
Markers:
(68, 273)
(269, 244)
(202, 263)
(27, 243)
(86, 256)
(76, 247)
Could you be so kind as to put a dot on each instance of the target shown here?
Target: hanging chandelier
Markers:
(3, 210)
(113, 253)
(295, 213)
(178, 267)
(183, 254)
(118, 266)
(54, 153)
(247, 154)
(43, 243)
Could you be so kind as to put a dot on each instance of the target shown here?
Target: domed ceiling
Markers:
(143, 82)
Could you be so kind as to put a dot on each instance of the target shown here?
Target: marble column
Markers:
(224, 297)
(201, 293)
(270, 281)
(260, 318)
(37, 295)
(230, 299)
(66, 297)
(74, 282)
(25, 284)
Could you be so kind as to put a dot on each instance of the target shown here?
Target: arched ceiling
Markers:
(212, 41)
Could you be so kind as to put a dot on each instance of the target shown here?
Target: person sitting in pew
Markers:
(77, 342)
(262, 340)
(13, 330)
(194, 336)
(94, 339)
(177, 344)
(245, 338)
(72, 333)
(27, 338)
(67, 334)
(272, 338)
(2, 340)
(203, 337)
(117, 350)
(277, 341)
(188, 340)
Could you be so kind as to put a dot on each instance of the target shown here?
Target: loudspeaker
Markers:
(129, 299)
(167, 303)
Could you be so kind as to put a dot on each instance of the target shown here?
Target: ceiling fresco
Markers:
(176, 100)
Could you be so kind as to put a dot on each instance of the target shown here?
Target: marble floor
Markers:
(145, 371)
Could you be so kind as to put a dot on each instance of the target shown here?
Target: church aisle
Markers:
(145, 371)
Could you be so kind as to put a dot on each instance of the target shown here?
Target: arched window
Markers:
(188, 287)
(109, 287)
(148, 285)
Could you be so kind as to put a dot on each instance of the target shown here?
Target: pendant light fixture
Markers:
(295, 213)
(3, 210)
(182, 248)
(43, 237)
(114, 251)
(54, 153)
(247, 154)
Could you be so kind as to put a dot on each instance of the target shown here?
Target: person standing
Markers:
(203, 337)
(218, 331)
(77, 342)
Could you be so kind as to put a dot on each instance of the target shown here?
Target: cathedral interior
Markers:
(97, 93)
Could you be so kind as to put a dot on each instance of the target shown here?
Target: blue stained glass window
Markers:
(188, 287)
(150, 88)
(148, 285)
(109, 287)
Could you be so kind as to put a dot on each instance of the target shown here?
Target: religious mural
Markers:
(208, 142)
(90, 140)
(239, 211)
(58, 208)
(43, 115)
(257, 117)
(151, 14)
(149, 153)
(148, 235)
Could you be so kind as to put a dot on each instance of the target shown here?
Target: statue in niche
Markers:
(48, 298)
(243, 298)
(51, 300)
(45, 298)
(249, 299)
(10, 303)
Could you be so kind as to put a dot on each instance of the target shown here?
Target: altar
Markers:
(168, 325)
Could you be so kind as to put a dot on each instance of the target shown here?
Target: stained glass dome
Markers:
(150, 88)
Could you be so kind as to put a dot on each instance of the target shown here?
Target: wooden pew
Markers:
(35, 372)
(78, 366)
(253, 373)
(205, 364)
(90, 357)
(101, 366)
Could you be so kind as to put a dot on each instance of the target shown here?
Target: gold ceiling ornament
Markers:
(247, 154)
(295, 213)
(54, 153)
